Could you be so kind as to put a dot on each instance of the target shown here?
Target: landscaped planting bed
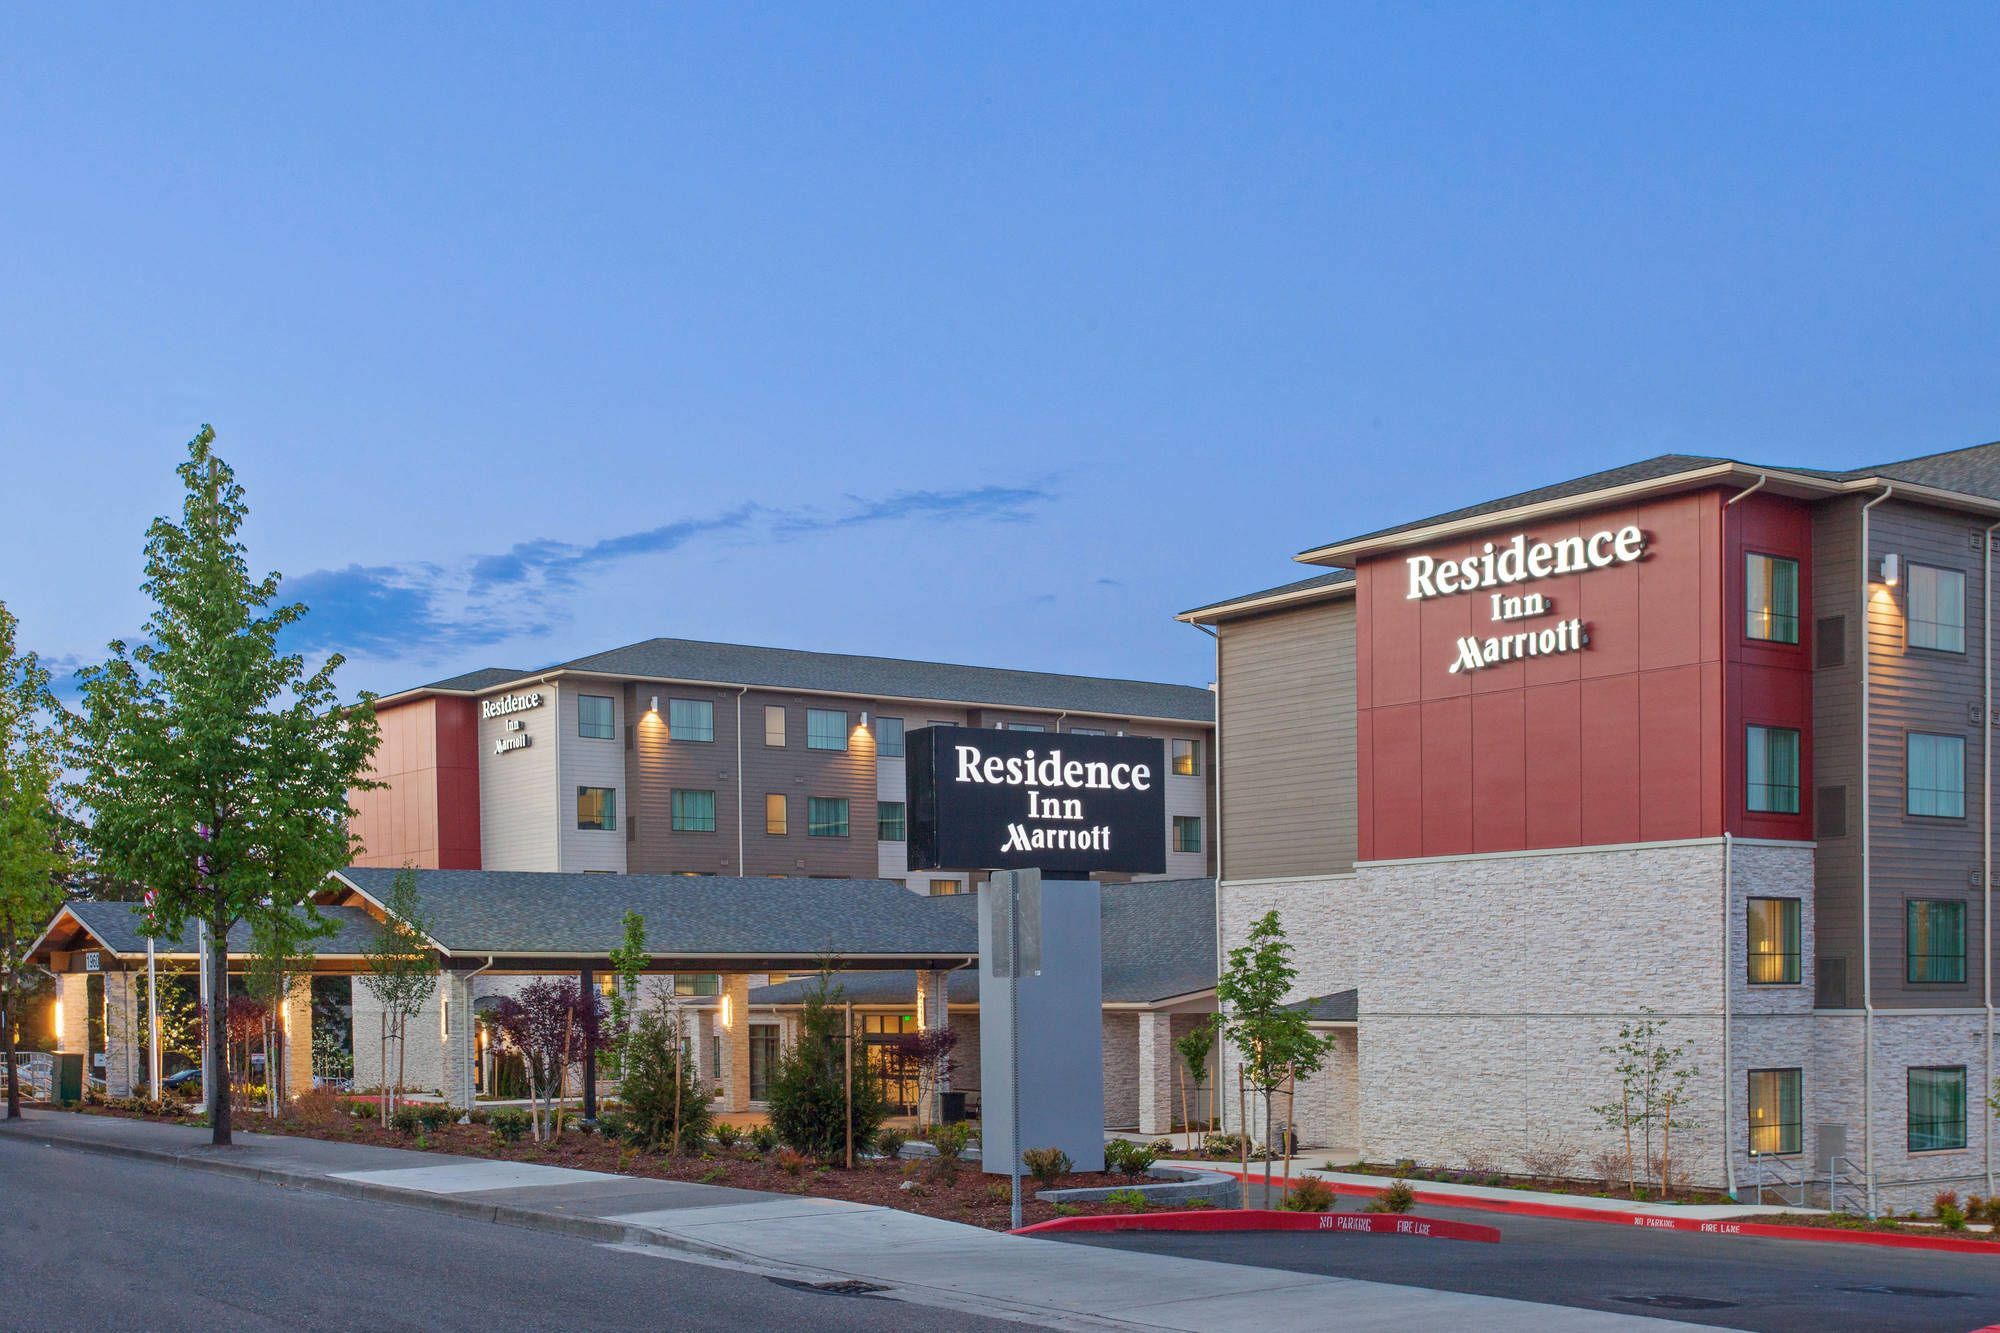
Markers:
(960, 1192)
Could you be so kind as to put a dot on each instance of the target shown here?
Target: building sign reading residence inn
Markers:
(1517, 562)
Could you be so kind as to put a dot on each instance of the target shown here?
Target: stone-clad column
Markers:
(298, 1038)
(124, 1062)
(455, 992)
(735, 1041)
(934, 1014)
(1156, 1073)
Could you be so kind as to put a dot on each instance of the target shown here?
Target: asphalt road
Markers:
(1731, 1282)
(92, 1242)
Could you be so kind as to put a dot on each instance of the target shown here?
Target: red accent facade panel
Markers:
(1637, 737)
(427, 813)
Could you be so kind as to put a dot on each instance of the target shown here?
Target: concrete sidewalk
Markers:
(919, 1259)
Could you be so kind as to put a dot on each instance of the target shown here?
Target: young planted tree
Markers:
(1194, 1048)
(216, 768)
(628, 961)
(809, 1091)
(666, 1103)
(929, 1053)
(402, 975)
(34, 847)
(552, 1023)
(1273, 1043)
(1652, 1091)
(281, 952)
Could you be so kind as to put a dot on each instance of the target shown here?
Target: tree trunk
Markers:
(1269, 1125)
(218, 1034)
(402, 1047)
(1243, 1134)
(382, 1071)
(680, 1082)
(1631, 1167)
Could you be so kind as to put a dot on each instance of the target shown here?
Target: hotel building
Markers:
(1694, 738)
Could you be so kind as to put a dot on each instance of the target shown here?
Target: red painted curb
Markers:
(1271, 1219)
(1654, 1222)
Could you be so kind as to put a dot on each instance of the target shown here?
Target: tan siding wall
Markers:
(1288, 738)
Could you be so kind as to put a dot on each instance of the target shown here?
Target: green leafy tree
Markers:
(402, 975)
(280, 959)
(808, 1096)
(34, 846)
(628, 961)
(1194, 1047)
(1273, 1042)
(1652, 1094)
(216, 767)
(666, 1103)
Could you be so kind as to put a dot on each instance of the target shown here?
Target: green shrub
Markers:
(508, 1123)
(727, 1135)
(1131, 1200)
(1162, 1147)
(404, 1120)
(1067, 1210)
(1308, 1194)
(1396, 1197)
(614, 1123)
(951, 1140)
(889, 1143)
(434, 1116)
(1128, 1158)
(764, 1138)
(809, 1097)
(1953, 1218)
(660, 1076)
(1223, 1147)
(1196, 1203)
(1046, 1165)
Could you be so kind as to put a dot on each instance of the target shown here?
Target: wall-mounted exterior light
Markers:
(656, 705)
(1892, 569)
(864, 719)
(725, 1011)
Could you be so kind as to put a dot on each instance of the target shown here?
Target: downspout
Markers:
(1867, 868)
(741, 691)
(1216, 1098)
(1728, 954)
(1986, 840)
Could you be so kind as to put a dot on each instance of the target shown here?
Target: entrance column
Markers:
(934, 1014)
(298, 1037)
(735, 1019)
(455, 991)
(72, 1015)
(123, 1068)
(1156, 1072)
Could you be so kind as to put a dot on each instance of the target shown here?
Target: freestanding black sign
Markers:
(1051, 801)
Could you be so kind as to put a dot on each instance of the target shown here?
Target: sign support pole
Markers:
(1014, 1045)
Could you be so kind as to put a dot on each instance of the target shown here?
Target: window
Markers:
(945, 888)
(1773, 941)
(1937, 609)
(697, 983)
(594, 717)
(826, 729)
(1187, 833)
(597, 808)
(763, 1056)
(1771, 599)
(694, 811)
(774, 725)
(1026, 726)
(1773, 761)
(1937, 1108)
(690, 720)
(1934, 940)
(1186, 758)
(1774, 1110)
(1935, 775)
(1086, 731)
(774, 813)
(826, 816)
(889, 737)
(889, 821)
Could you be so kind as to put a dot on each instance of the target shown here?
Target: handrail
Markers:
(1775, 1171)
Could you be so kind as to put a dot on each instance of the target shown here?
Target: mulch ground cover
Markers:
(960, 1194)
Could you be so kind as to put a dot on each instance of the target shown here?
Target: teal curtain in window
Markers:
(690, 720)
(826, 816)
(594, 717)
(1937, 1109)
(889, 821)
(694, 812)
(1937, 609)
(1771, 599)
(889, 737)
(826, 729)
(1936, 775)
(1772, 758)
(1935, 935)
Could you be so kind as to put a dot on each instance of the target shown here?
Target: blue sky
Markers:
(991, 334)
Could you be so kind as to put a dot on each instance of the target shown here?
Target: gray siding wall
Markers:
(1912, 690)
(517, 790)
(1288, 737)
(588, 761)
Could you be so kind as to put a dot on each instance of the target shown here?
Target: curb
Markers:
(1271, 1219)
(1655, 1222)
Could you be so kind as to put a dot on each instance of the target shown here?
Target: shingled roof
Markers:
(872, 678)
(1158, 944)
(118, 927)
(522, 912)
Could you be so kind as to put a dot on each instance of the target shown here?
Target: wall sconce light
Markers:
(725, 1011)
(656, 705)
(58, 1031)
(1892, 569)
(864, 719)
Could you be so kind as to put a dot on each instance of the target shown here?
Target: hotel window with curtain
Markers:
(774, 813)
(1774, 1111)
(774, 725)
(697, 983)
(1934, 940)
(1937, 1108)
(889, 821)
(1935, 775)
(826, 816)
(888, 738)
(1187, 833)
(1186, 758)
(1772, 758)
(694, 811)
(1937, 609)
(594, 718)
(945, 888)
(1774, 941)
(1771, 599)
(826, 729)
(597, 808)
(690, 720)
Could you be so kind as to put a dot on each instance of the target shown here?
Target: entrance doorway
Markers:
(881, 1037)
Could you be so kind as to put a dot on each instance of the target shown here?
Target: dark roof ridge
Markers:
(1873, 468)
